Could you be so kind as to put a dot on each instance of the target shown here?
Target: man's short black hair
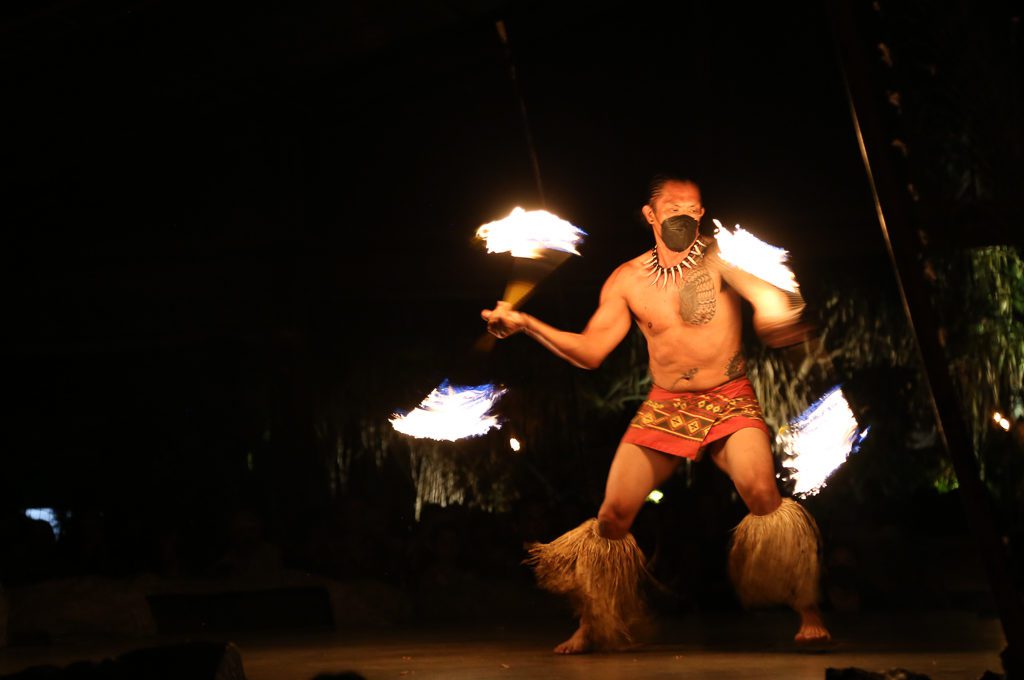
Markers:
(658, 182)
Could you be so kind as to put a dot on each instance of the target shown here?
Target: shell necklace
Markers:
(658, 273)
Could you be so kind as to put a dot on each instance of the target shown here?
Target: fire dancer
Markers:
(686, 301)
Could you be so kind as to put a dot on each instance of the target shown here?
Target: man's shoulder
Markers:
(712, 253)
(631, 266)
(638, 262)
(710, 243)
(626, 273)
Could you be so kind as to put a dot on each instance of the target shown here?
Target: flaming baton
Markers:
(818, 441)
(450, 413)
(745, 251)
(538, 241)
(530, 235)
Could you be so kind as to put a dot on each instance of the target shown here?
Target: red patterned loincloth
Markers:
(680, 423)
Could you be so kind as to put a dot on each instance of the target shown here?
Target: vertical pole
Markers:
(893, 199)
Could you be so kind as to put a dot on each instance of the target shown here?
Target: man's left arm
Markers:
(777, 313)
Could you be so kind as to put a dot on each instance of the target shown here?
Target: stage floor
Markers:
(941, 645)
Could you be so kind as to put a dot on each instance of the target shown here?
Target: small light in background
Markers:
(48, 515)
(514, 444)
(655, 496)
(1001, 420)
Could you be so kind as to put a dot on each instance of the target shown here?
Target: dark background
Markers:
(224, 220)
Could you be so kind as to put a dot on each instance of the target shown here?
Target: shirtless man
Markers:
(686, 301)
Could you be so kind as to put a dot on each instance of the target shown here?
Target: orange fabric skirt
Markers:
(682, 423)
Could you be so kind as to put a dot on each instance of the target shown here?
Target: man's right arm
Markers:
(605, 330)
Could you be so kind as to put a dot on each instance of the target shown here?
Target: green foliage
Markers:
(984, 289)
(982, 295)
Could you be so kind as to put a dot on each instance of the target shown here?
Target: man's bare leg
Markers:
(747, 458)
(635, 472)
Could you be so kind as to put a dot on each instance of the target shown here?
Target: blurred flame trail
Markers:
(745, 251)
(450, 413)
(530, 146)
(528, 233)
(818, 441)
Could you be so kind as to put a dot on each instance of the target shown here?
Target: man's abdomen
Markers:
(694, 358)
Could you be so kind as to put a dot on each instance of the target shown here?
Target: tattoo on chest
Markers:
(697, 298)
(737, 366)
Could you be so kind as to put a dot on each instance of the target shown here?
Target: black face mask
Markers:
(679, 232)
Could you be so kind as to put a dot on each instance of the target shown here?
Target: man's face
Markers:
(677, 198)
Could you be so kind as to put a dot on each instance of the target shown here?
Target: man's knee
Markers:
(613, 520)
(761, 497)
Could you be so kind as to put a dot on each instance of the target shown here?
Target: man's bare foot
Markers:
(577, 644)
(812, 629)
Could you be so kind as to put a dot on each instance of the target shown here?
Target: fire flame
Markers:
(742, 249)
(527, 233)
(451, 412)
(818, 441)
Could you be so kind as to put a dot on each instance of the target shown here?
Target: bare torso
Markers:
(692, 326)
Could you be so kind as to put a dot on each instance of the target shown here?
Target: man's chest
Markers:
(697, 299)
